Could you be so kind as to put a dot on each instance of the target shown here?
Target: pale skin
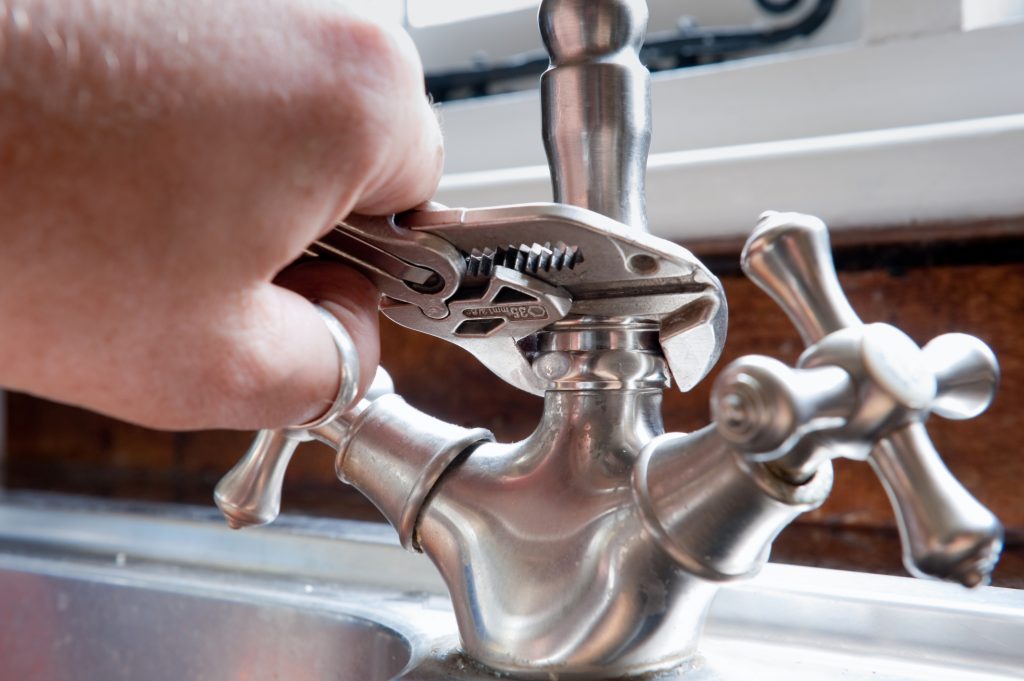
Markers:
(161, 163)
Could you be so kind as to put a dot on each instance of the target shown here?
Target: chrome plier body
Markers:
(488, 279)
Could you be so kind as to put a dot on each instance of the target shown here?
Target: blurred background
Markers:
(900, 122)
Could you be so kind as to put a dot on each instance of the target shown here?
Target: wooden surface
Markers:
(961, 283)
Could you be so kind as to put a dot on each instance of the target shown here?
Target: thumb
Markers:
(299, 375)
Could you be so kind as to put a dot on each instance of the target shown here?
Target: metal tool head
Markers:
(605, 269)
(487, 279)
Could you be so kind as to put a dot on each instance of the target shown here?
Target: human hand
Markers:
(160, 163)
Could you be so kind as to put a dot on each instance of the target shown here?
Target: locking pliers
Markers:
(488, 279)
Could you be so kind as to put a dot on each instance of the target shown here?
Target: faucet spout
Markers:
(714, 511)
(544, 551)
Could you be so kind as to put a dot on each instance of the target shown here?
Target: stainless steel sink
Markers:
(72, 627)
(107, 592)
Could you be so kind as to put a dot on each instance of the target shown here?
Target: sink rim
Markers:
(103, 620)
(358, 569)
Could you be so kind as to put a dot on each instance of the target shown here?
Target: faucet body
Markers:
(537, 541)
(595, 545)
(546, 555)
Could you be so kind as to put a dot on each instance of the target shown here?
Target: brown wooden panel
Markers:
(974, 286)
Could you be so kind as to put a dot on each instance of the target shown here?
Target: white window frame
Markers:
(916, 121)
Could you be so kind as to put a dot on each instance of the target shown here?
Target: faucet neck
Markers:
(603, 403)
(597, 430)
(596, 106)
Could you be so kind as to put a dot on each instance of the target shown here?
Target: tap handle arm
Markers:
(966, 375)
(945, 532)
(790, 258)
(595, 103)
(250, 493)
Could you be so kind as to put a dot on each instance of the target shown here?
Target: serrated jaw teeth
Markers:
(526, 258)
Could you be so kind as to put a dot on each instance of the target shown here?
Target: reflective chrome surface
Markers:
(946, 532)
(714, 511)
(120, 593)
(792, 262)
(595, 101)
(593, 548)
(395, 455)
(514, 270)
(543, 549)
(619, 272)
(595, 545)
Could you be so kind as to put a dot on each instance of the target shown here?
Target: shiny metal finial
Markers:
(588, 30)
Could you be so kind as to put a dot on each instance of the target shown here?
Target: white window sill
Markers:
(921, 130)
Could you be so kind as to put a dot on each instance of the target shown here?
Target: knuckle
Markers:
(380, 54)
(365, 80)
(367, 99)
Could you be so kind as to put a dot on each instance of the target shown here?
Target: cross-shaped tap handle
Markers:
(946, 532)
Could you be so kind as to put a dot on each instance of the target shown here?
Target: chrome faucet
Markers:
(595, 545)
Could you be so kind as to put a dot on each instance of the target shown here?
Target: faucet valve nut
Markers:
(762, 406)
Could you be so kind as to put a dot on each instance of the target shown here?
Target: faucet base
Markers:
(550, 565)
(456, 665)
